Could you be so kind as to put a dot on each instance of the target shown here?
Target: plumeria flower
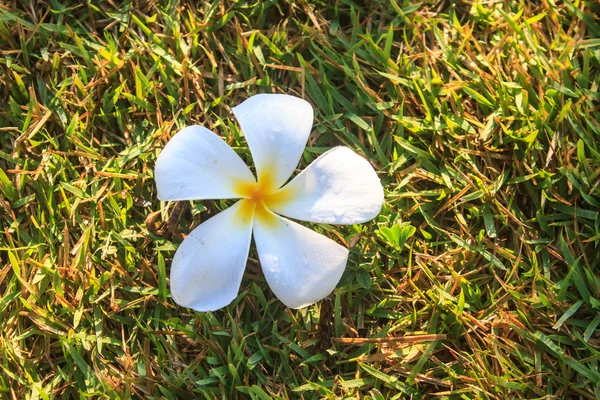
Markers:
(300, 266)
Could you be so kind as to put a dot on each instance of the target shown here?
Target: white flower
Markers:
(301, 266)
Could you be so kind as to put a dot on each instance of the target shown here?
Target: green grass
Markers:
(481, 118)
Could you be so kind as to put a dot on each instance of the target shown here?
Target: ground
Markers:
(480, 117)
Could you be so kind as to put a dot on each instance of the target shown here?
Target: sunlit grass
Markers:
(481, 119)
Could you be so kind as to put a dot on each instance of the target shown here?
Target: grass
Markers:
(481, 118)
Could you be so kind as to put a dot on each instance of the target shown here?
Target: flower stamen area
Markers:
(259, 197)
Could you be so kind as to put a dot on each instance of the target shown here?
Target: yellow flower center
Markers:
(259, 197)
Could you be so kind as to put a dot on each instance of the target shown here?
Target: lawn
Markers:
(479, 278)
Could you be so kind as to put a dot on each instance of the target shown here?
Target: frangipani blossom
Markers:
(300, 265)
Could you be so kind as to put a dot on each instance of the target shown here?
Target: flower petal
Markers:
(301, 266)
(276, 127)
(208, 266)
(339, 187)
(197, 164)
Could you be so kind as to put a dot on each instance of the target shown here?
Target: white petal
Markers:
(208, 266)
(197, 164)
(301, 266)
(339, 187)
(276, 127)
